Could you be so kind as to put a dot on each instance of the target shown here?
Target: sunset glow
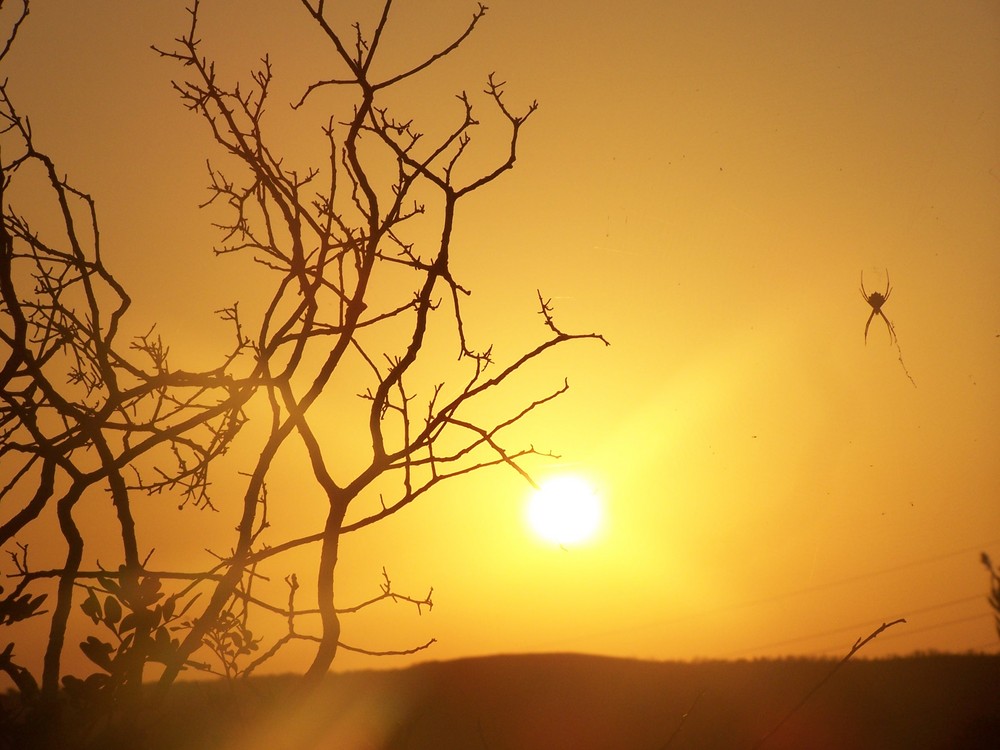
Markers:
(565, 510)
(744, 471)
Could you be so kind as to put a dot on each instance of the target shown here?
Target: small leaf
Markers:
(98, 652)
(149, 590)
(27, 606)
(162, 637)
(168, 607)
(112, 610)
(73, 686)
(91, 606)
(96, 681)
(129, 622)
(163, 648)
(110, 586)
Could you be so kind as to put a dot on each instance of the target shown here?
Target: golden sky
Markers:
(703, 184)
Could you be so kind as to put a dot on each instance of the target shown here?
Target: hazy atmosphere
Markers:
(703, 184)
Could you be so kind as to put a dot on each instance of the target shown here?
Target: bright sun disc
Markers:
(564, 511)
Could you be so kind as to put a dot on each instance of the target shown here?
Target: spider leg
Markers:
(888, 323)
(888, 289)
(869, 323)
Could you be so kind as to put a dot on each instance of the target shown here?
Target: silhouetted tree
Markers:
(86, 418)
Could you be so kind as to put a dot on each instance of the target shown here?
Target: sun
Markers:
(565, 511)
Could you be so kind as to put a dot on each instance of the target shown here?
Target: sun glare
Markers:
(565, 510)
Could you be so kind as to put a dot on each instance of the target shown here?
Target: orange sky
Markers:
(703, 184)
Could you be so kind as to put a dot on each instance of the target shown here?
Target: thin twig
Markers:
(684, 716)
(858, 645)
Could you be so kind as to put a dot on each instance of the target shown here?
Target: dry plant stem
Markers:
(670, 740)
(858, 645)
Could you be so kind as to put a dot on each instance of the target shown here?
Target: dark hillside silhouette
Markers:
(576, 702)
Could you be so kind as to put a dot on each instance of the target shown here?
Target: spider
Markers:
(876, 300)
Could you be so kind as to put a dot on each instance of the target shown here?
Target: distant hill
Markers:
(575, 702)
